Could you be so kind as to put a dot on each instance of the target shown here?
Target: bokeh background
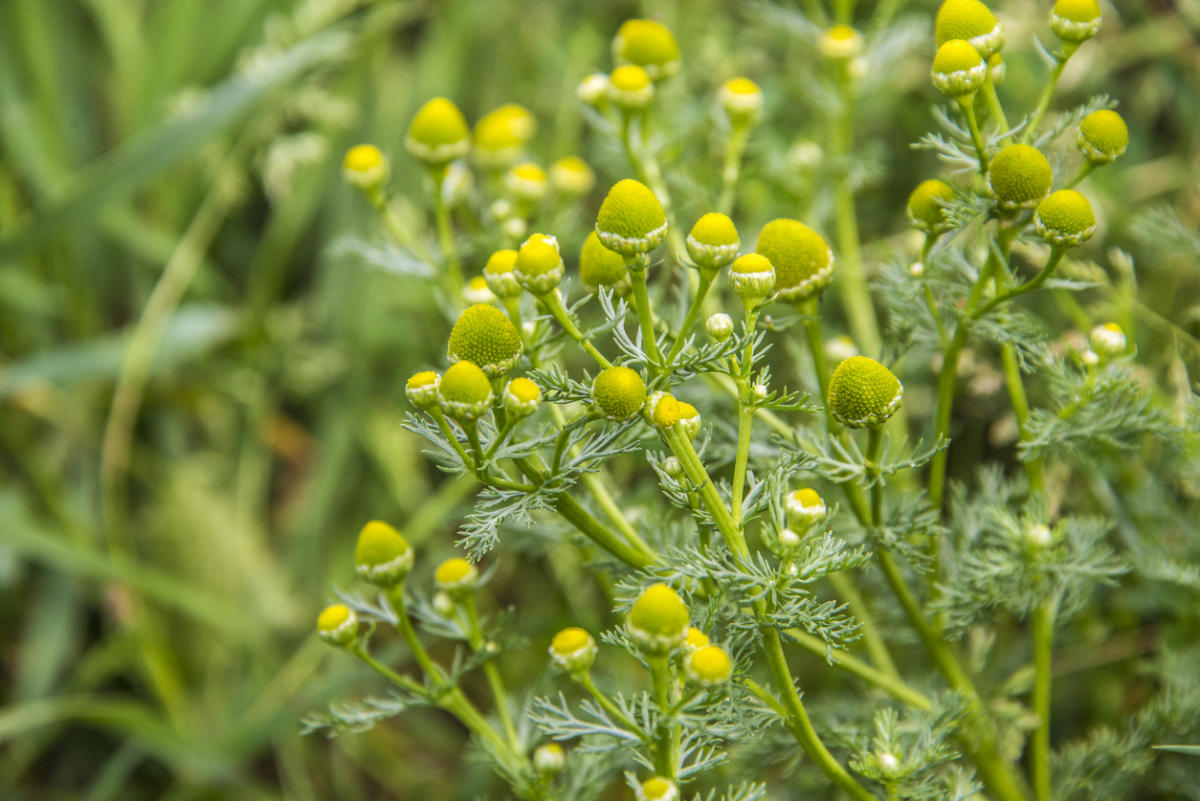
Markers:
(176, 505)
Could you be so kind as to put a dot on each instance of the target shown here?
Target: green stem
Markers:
(874, 445)
(666, 762)
(641, 301)
(844, 11)
(745, 422)
(967, 104)
(403, 682)
(731, 170)
(553, 303)
(872, 640)
(995, 108)
(609, 707)
(1035, 469)
(1060, 62)
(405, 627)
(634, 556)
(443, 425)
(492, 672)
(1084, 172)
(892, 685)
(816, 346)
(706, 282)
(454, 276)
(694, 469)
(1043, 641)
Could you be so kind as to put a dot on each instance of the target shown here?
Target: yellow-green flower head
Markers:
(366, 167)
(742, 101)
(539, 265)
(713, 242)
(752, 276)
(549, 759)
(599, 266)
(521, 398)
(709, 666)
(719, 326)
(456, 576)
(689, 420)
(337, 625)
(382, 556)
(631, 220)
(476, 290)
(927, 206)
(801, 257)
(958, 69)
(1103, 136)
(465, 392)
(695, 639)
(618, 393)
(658, 789)
(500, 135)
(804, 508)
(593, 89)
(658, 621)
(1065, 219)
(970, 20)
(573, 650)
(484, 335)
(572, 176)
(662, 410)
(1108, 340)
(1019, 177)
(498, 272)
(1076, 20)
(630, 88)
(422, 389)
(527, 182)
(997, 69)
(841, 43)
(438, 133)
(648, 44)
(862, 392)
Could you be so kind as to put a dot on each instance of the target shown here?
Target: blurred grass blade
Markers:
(1192, 750)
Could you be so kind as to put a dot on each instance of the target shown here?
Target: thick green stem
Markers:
(1043, 641)
(666, 762)
(995, 108)
(731, 170)
(816, 346)
(591, 528)
(874, 445)
(454, 276)
(843, 585)
(1060, 62)
(1035, 469)
(967, 104)
(641, 301)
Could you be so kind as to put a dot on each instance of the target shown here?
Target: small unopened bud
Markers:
(549, 759)
(573, 649)
(804, 508)
(719, 327)
(338, 625)
(1038, 536)
(1108, 340)
(658, 789)
(456, 576)
(672, 467)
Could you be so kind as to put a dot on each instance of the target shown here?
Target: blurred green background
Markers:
(175, 506)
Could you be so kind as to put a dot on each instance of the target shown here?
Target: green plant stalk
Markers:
(641, 301)
(613, 711)
(554, 305)
(705, 283)
(666, 762)
(844, 11)
(843, 585)
(1060, 62)
(454, 274)
(930, 300)
(967, 105)
(874, 445)
(816, 346)
(1035, 469)
(745, 408)
(492, 673)
(995, 107)
(892, 685)
(1084, 171)
(1043, 642)
(732, 168)
(403, 682)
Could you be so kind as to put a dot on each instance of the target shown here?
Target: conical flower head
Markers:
(958, 69)
(752, 277)
(1019, 177)
(801, 257)
(438, 133)
(483, 334)
(573, 649)
(927, 206)
(650, 45)
(539, 266)
(972, 21)
(631, 220)
(1076, 21)
(465, 392)
(709, 666)
(618, 393)
(500, 135)
(1103, 136)
(498, 272)
(382, 556)
(658, 621)
(1065, 219)
(862, 392)
(713, 241)
(599, 266)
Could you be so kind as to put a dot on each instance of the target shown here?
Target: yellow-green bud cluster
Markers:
(631, 220)
(618, 393)
(422, 389)
(366, 167)
(484, 335)
(1103, 136)
(752, 277)
(573, 649)
(599, 266)
(1065, 219)
(648, 44)
(539, 266)
(658, 622)
(927, 206)
(972, 21)
(662, 410)
(465, 392)
(862, 392)
(521, 398)
(958, 69)
(1019, 177)
(438, 133)
(695, 640)
(338, 625)
(572, 176)
(456, 576)
(500, 276)
(501, 135)
(741, 100)
(713, 242)
(630, 88)
(801, 257)
(1076, 21)
(382, 556)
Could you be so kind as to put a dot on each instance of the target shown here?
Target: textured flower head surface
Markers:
(337, 625)
(422, 389)
(573, 649)
(862, 392)
(527, 181)
(438, 133)
(465, 392)
(1065, 219)
(709, 666)
(658, 788)
(658, 621)
(695, 639)
(1076, 21)
(971, 21)
(689, 419)
(648, 44)
(483, 334)
(456, 575)
(618, 393)
(713, 241)
(1103, 136)
(927, 206)
(599, 266)
(801, 257)
(662, 410)
(499, 274)
(841, 43)
(630, 87)
(1019, 177)
(631, 219)
(365, 166)
(539, 266)
(382, 556)
(804, 508)
(958, 69)
(521, 397)
(572, 176)
(501, 135)
(742, 101)
(752, 276)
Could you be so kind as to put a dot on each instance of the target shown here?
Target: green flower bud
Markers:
(630, 88)
(521, 398)
(1076, 21)
(672, 467)
(709, 666)
(970, 20)
(658, 789)
(498, 272)
(549, 759)
(618, 393)
(1108, 340)
(438, 133)
(484, 335)
(338, 625)
(572, 176)
(801, 257)
(658, 621)
(862, 392)
(752, 277)
(456, 576)
(422, 389)
(788, 540)
(1019, 177)
(631, 220)
(1038, 536)
(840, 43)
(477, 291)
(689, 420)
(465, 392)
(573, 650)
(593, 89)
(927, 206)
(527, 182)
(695, 640)
(539, 265)
(382, 556)
(366, 167)
(713, 241)
(1103, 137)
(662, 410)
(958, 69)
(1065, 219)
(719, 327)
(648, 44)
(804, 508)
(501, 135)
(599, 266)
(741, 100)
